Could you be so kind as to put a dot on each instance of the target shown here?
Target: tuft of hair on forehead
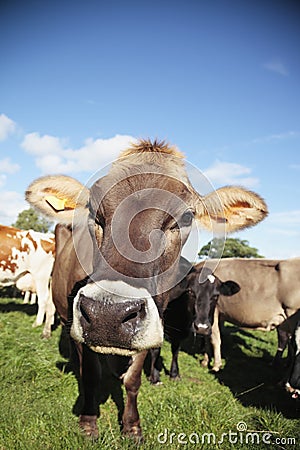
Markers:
(145, 156)
(155, 147)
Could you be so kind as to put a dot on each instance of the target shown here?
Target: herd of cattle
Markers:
(114, 273)
(26, 260)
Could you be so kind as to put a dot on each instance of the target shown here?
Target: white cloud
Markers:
(286, 223)
(2, 179)
(287, 218)
(285, 232)
(7, 127)
(221, 173)
(6, 166)
(277, 66)
(276, 237)
(38, 145)
(52, 154)
(275, 137)
(11, 203)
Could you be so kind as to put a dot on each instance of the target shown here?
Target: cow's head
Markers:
(206, 289)
(139, 216)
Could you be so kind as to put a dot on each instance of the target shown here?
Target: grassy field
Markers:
(242, 407)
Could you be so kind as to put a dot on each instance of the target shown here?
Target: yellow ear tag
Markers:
(57, 203)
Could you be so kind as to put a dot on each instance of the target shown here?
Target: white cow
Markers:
(28, 251)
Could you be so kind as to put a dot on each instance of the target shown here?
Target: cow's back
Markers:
(289, 284)
(257, 305)
(13, 253)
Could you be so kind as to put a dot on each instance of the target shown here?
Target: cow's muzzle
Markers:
(126, 316)
(112, 317)
(203, 328)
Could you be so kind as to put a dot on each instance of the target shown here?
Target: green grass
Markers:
(37, 396)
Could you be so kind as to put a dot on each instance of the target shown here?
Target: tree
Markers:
(29, 219)
(233, 248)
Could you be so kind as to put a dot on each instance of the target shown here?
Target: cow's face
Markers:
(206, 289)
(138, 216)
(138, 226)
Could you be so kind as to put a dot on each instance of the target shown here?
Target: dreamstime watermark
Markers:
(240, 436)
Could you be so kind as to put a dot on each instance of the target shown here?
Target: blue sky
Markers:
(220, 79)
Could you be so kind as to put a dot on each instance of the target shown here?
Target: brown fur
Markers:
(154, 148)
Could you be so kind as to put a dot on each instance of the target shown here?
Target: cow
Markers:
(268, 299)
(25, 252)
(293, 383)
(118, 247)
(191, 311)
(27, 286)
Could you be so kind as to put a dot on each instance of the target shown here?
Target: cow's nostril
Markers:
(130, 317)
(84, 313)
(134, 313)
(202, 328)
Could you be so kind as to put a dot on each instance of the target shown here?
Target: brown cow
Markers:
(128, 230)
(268, 298)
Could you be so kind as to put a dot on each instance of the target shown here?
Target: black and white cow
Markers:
(293, 383)
(192, 311)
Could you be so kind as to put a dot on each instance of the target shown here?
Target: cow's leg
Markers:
(154, 371)
(283, 339)
(132, 381)
(26, 297)
(90, 385)
(42, 291)
(33, 298)
(174, 371)
(290, 355)
(50, 313)
(207, 352)
(215, 340)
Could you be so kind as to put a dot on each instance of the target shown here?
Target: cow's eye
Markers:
(187, 218)
(184, 221)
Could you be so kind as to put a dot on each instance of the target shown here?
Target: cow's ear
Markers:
(57, 196)
(184, 283)
(229, 288)
(230, 208)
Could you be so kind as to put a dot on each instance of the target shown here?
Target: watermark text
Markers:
(240, 436)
